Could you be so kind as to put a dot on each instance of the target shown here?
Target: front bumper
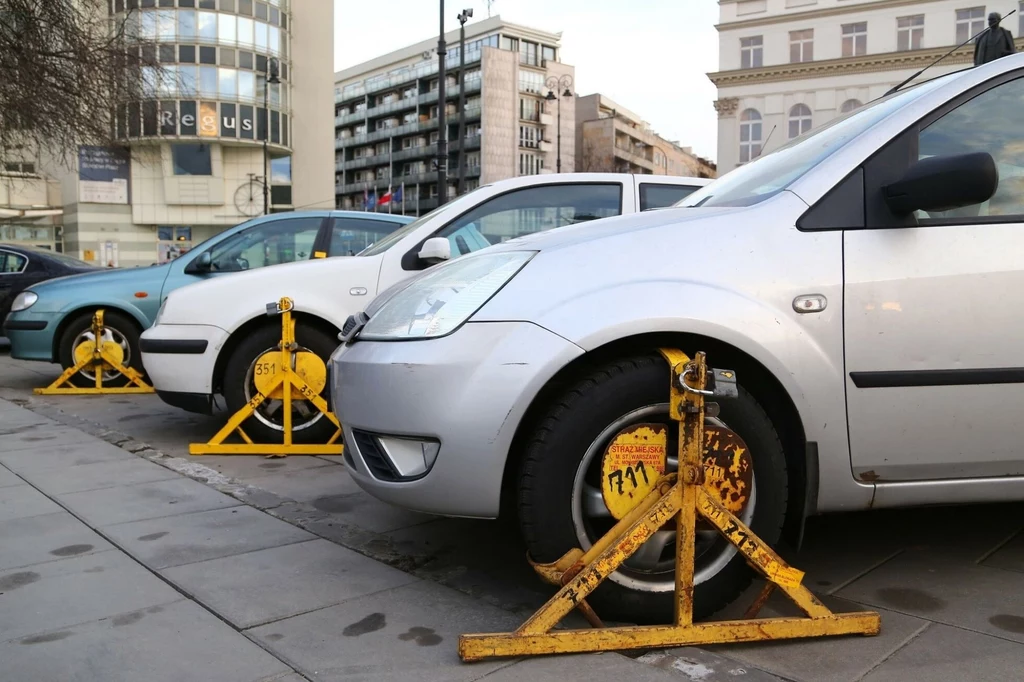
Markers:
(31, 335)
(180, 358)
(468, 390)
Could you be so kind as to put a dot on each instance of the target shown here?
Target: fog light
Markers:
(409, 457)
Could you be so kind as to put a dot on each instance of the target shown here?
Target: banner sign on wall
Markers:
(102, 175)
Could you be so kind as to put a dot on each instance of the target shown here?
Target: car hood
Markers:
(617, 226)
(100, 277)
(228, 300)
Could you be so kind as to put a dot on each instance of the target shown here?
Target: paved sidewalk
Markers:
(116, 568)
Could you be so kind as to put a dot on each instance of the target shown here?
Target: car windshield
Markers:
(399, 234)
(770, 174)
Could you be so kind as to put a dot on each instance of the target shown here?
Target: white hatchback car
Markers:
(207, 336)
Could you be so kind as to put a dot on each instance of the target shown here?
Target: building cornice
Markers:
(814, 14)
(830, 68)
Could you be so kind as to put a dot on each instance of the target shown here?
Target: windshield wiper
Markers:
(987, 28)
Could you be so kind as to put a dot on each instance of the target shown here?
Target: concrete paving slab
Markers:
(613, 667)
(8, 477)
(409, 633)
(99, 475)
(944, 590)
(270, 584)
(42, 438)
(54, 595)
(19, 421)
(307, 485)
(23, 501)
(691, 663)
(946, 653)
(200, 536)
(826, 659)
(1009, 557)
(254, 467)
(51, 537)
(48, 456)
(369, 513)
(169, 643)
(145, 501)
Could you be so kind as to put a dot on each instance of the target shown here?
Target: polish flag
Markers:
(385, 198)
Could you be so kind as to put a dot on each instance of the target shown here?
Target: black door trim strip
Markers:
(938, 377)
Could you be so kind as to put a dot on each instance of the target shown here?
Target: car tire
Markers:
(236, 376)
(122, 329)
(572, 425)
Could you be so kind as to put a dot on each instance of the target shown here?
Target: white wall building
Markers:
(787, 66)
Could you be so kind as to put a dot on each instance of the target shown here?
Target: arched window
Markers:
(799, 120)
(849, 105)
(750, 135)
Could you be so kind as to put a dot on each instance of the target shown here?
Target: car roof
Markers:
(24, 249)
(370, 215)
(548, 178)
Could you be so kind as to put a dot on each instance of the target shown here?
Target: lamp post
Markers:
(271, 76)
(442, 126)
(554, 83)
(463, 17)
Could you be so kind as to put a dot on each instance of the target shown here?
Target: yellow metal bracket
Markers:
(683, 497)
(286, 383)
(101, 356)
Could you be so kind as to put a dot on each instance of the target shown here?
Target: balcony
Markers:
(472, 113)
(547, 119)
(452, 92)
(545, 146)
(412, 74)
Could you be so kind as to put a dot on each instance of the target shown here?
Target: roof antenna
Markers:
(897, 87)
(491, 2)
(765, 141)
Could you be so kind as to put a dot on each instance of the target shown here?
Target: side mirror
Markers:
(435, 250)
(942, 183)
(201, 264)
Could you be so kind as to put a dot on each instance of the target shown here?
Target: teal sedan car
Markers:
(50, 319)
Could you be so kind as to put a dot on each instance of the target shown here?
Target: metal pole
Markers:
(266, 136)
(391, 167)
(462, 106)
(558, 157)
(442, 126)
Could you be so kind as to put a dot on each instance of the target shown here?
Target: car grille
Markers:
(376, 461)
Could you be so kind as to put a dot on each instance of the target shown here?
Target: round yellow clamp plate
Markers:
(638, 455)
(308, 366)
(83, 351)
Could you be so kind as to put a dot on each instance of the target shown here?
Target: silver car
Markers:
(866, 282)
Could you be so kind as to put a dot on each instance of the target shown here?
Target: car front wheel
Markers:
(561, 504)
(117, 328)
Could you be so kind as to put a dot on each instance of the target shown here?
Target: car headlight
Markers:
(24, 301)
(440, 301)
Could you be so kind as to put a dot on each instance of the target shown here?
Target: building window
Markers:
(801, 45)
(20, 167)
(529, 137)
(191, 159)
(855, 39)
(969, 22)
(750, 135)
(530, 164)
(850, 105)
(751, 52)
(529, 109)
(530, 81)
(528, 53)
(547, 55)
(510, 44)
(799, 120)
(910, 32)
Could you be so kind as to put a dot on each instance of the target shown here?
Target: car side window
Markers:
(529, 210)
(271, 243)
(654, 195)
(992, 122)
(349, 236)
(12, 263)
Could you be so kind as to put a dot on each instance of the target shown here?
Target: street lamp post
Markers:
(465, 15)
(554, 83)
(271, 76)
(442, 126)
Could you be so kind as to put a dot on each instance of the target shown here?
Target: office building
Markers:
(193, 161)
(386, 116)
(612, 139)
(787, 66)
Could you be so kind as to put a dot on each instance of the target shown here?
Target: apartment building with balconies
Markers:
(787, 66)
(386, 117)
(612, 139)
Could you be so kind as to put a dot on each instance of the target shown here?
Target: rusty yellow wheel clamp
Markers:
(683, 496)
(283, 379)
(100, 355)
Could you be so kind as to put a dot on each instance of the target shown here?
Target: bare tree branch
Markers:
(66, 65)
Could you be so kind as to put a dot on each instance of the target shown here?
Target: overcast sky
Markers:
(650, 56)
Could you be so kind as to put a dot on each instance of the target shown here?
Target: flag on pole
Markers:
(371, 201)
(398, 195)
(385, 198)
(366, 199)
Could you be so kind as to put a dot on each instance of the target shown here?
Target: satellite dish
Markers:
(426, 54)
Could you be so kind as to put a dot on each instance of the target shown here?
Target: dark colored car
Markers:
(23, 266)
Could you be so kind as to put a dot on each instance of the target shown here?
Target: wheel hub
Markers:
(308, 366)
